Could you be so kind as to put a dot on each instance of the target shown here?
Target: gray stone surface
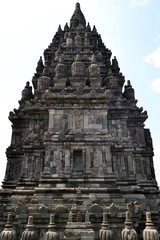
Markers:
(79, 147)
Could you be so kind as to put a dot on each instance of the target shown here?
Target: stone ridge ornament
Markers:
(29, 233)
(8, 233)
(51, 234)
(150, 233)
(77, 67)
(94, 70)
(105, 233)
(128, 232)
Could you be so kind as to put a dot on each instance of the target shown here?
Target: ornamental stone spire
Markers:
(77, 19)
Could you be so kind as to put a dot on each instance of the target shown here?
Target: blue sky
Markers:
(130, 28)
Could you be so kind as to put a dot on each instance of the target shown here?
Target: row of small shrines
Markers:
(105, 233)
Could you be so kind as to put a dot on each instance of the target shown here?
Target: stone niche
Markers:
(79, 159)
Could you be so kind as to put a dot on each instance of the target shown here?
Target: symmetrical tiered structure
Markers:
(79, 147)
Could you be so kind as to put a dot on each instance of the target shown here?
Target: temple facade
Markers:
(80, 162)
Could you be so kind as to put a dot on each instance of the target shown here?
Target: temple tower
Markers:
(79, 146)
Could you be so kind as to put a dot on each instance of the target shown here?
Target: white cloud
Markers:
(154, 58)
(155, 85)
(157, 39)
(136, 3)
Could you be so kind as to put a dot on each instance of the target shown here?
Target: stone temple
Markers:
(80, 162)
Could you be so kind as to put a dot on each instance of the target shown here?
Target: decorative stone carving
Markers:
(66, 27)
(78, 193)
(88, 28)
(58, 53)
(113, 210)
(70, 217)
(29, 233)
(86, 40)
(105, 233)
(69, 41)
(40, 66)
(128, 232)
(94, 30)
(60, 70)
(134, 209)
(94, 73)
(51, 234)
(115, 66)
(78, 41)
(96, 212)
(77, 18)
(44, 83)
(60, 209)
(27, 92)
(77, 67)
(79, 217)
(129, 91)
(110, 81)
(8, 233)
(94, 69)
(150, 233)
(87, 217)
(43, 209)
(20, 208)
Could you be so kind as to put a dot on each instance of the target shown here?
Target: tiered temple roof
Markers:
(79, 147)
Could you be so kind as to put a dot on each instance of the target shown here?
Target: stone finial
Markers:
(94, 69)
(70, 217)
(88, 28)
(57, 54)
(113, 210)
(94, 30)
(78, 40)
(40, 66)
(69, 41)
(77, 8)
(8, 232)
(77, 67)
(46, 68)
(66, 27)
(60, 70)
(44, 81)
(115, 66)
(29, 233)
(30, 225)
(78, 193)
(87, 217)
(79, 217)
(150, 233)
(86, 40)
(129, 91)
(51, 234)
(128, 233)
(77, 18)
(128, 221)
(105, 233)
(59, 29)
(52, 221)
(27, 92)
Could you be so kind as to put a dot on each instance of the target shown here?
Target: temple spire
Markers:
(77, 19)
(78, 6)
